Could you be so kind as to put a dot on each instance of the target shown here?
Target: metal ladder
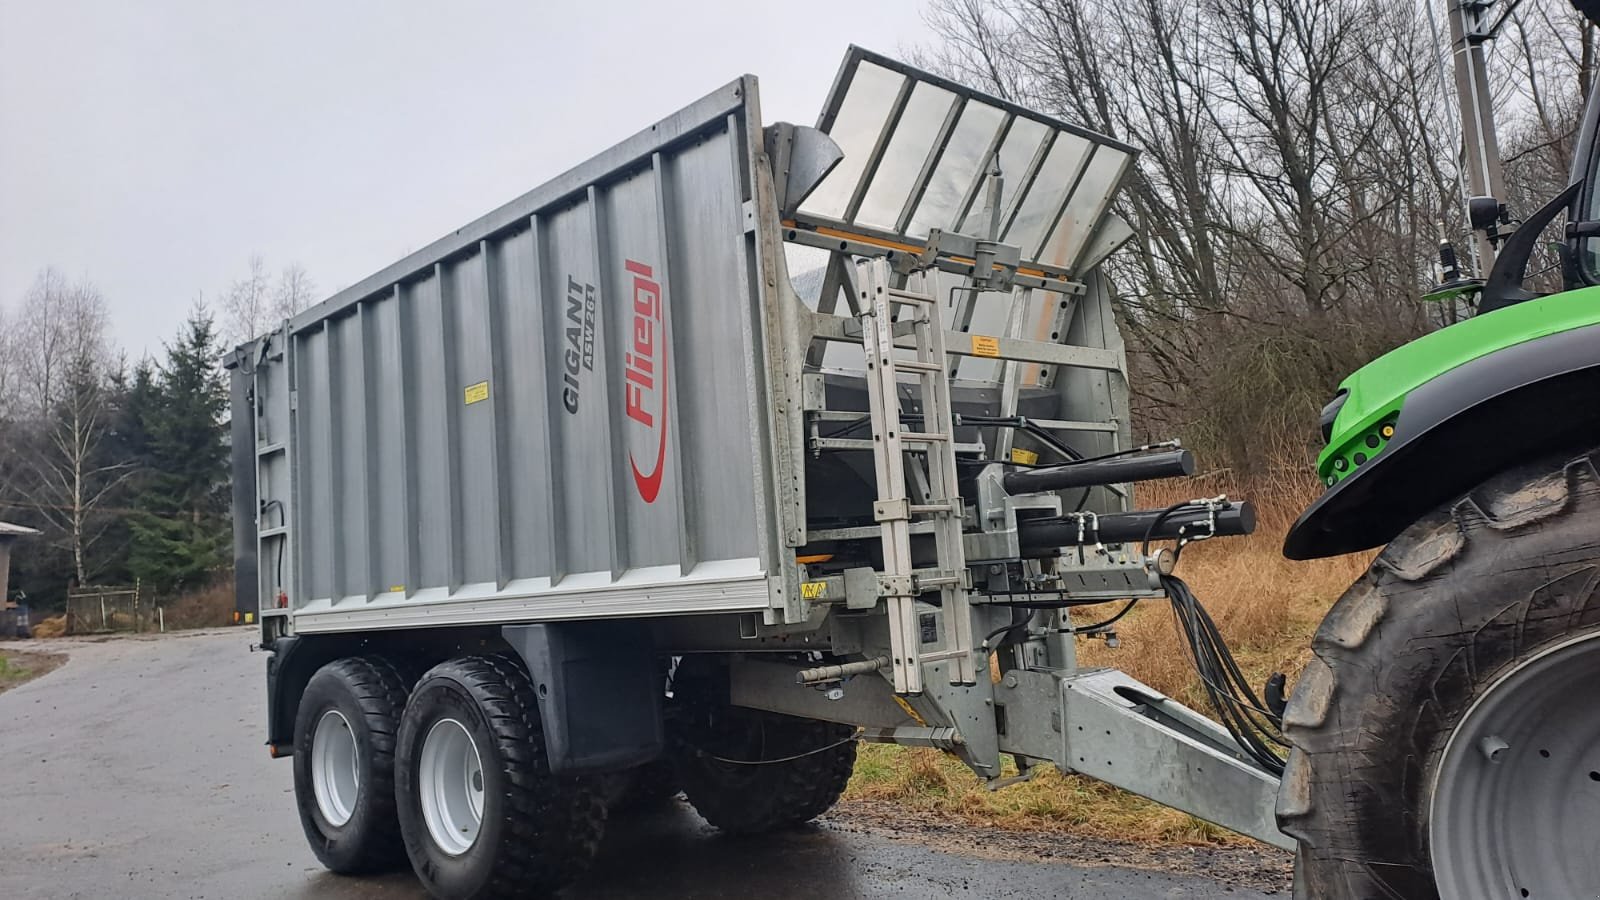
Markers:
(894, 510)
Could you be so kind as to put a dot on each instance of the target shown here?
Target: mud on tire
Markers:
(368, 694)
(747, 771)
(1460, 596)
(538, 831)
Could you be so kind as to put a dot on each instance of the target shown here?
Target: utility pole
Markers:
(1468, 33)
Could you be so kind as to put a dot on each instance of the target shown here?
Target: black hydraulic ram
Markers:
(1043, 535)
(1144, 467)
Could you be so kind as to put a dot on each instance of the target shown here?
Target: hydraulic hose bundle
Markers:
(1253, 724)
(1256, 726)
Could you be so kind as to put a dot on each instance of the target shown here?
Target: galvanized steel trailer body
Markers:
(630, 401)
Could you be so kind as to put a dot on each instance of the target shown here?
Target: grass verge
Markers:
(1266, 606)
(18, 666)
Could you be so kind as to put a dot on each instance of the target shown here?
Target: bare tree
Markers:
(47, 345)
(256, 303)
(1544, 64)
(64, 364)
(247, 303)
(8, 366)
(294, 292)
(10, 407)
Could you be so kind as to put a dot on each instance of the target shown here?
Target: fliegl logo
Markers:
(644, 385)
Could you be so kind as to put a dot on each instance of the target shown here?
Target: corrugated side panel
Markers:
(556, 415)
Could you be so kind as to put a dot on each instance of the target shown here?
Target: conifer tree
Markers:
(180, 535)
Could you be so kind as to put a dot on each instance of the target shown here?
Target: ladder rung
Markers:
(842, 444)
(924, 437)
(937, 655)
(928, 509)
(912, 297)
(917, 365)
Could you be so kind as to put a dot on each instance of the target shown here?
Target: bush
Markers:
(208, 607)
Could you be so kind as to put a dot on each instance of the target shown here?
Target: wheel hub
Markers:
(450, 783)
(335, 768)
(1516, 797)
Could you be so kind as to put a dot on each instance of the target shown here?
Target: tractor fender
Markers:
(1456, 430)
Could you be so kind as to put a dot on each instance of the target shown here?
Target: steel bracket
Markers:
(861, 589)
(1109, 726)
(896, 586)
(898, 510)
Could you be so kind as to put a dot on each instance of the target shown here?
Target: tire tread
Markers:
(1349, 736)
(789, 793)
(380, 693)
(552, 825)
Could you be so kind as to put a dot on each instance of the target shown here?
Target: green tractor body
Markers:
(1431, 418)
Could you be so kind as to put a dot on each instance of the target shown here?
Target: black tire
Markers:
(643, 789)
(539, 832)
(812, 762)
(370, 695)
(1455, 600)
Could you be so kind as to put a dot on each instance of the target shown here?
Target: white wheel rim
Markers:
(450, 782)
(1516, 796)
(335, 768)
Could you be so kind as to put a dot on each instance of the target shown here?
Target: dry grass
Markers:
(208, 607)
(1266, 606)
(937, 786)
(53, 627)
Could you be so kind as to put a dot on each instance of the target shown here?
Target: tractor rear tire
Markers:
(1454, 609)
(748, 772)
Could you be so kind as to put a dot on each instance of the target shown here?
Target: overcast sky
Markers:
(154, 146)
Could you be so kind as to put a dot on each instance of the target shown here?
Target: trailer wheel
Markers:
(344, 764)
(747, 771)
(481, 814)
(1444, 737)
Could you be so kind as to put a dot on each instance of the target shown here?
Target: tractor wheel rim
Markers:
(335, 768)
(450, 782)
(1516, 797)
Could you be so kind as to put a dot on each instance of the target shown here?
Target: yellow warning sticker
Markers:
(813, 590)
(1026, 457)
(984, 345)
(909, 711)
(397, 589)
(477, 392)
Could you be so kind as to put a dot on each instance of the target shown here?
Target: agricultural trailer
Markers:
(734, 446)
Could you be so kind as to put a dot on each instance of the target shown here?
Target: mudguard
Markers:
(1432, 419)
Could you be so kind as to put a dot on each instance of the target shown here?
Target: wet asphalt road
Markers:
(137, 770)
